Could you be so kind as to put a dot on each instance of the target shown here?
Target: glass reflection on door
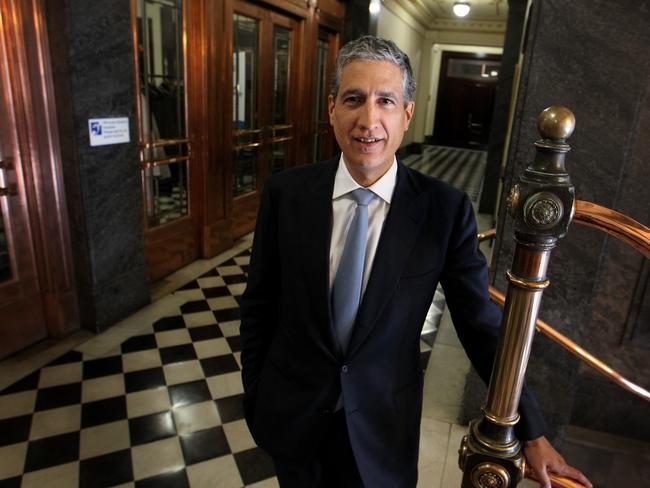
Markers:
(162, 102)
(167, 184)
(5, 263)
(245, 115)
(280, 97)
(321, 118)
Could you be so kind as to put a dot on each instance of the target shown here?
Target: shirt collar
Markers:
(383, 187)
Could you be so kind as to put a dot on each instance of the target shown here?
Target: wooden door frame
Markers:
(37, 133)
(242, 209)
(174, 244)
(333, 39)
(218, 218)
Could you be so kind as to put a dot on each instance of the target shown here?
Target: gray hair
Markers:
(371, 48)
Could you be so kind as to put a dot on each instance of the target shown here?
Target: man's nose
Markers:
(369, 115)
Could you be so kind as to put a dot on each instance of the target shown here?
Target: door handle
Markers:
(10, 189)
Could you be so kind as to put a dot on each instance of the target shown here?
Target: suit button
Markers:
(344, 368)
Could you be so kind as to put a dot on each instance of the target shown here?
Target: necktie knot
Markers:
(362, 196)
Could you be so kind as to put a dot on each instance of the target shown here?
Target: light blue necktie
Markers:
(346, 289)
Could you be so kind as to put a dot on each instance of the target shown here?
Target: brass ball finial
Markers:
(556, 123)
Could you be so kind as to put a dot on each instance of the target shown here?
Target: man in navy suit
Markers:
(346, 413)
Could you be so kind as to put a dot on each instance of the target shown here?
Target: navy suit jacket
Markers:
(292, 369)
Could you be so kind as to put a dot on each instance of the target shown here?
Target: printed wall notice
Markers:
(108, 131)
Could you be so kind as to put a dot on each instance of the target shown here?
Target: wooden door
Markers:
(169, 67)
(327, 45)
(22, 319)
(465, 100)
(263, 73)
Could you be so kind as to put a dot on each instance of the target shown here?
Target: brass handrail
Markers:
(615, 224)
(163, 142)
(581, 353)
(624, 229)
(556, 480)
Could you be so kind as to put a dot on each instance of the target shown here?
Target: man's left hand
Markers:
(542, 457)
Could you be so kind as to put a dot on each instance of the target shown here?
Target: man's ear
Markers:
(408, 113)
(330, 106)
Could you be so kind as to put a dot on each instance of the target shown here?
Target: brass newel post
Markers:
(542, 207)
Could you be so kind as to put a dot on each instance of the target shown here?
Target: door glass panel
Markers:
(279, 156)
(245, 115)
(281, 39)
(5, 264)
(166, 192)
(161, 71)
(280, 97)
(244, 175)
(321, 95)
(162, 104)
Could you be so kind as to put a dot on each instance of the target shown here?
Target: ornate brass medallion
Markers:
(490, 475)
(543, 210)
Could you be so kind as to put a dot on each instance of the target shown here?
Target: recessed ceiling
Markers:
(432, 11)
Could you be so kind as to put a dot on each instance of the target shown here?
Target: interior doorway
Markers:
(465, 101)
(170, 171)
(264, 73)
(230, 93)
(37, 291)
(23, 318)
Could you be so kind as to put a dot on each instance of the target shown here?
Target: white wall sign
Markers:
(108, 131)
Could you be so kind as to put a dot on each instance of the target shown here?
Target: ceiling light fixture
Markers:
(375, 6)
(461, 9)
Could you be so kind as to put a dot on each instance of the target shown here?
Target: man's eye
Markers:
(387, 101)
(351, 100)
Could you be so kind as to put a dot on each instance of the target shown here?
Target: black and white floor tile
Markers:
(462, 168)
(164, 409)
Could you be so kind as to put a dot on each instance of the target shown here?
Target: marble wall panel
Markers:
(592, 57)
(101, 81)
(501, 112)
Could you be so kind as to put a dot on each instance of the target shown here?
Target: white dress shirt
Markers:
(343, 207)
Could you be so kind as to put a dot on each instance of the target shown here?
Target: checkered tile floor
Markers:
(462, 168)
(163, 411)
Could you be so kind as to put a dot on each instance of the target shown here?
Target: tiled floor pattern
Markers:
(163, 410)
(462, 168)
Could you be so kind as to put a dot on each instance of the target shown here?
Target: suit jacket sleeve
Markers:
(476, 318)
(259, 303)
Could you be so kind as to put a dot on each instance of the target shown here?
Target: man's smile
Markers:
(368, 144)
(368, 140)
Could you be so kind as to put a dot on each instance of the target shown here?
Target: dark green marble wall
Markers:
(591, 56)
(92, 54)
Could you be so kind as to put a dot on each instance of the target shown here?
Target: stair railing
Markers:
(626, 230)
(543, 205)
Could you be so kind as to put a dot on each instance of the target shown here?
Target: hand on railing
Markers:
(557, 481)
(546, 466)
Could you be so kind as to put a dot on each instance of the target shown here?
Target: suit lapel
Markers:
(398, 237)
(314, 210)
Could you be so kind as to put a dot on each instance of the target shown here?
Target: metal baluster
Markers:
(541, 204)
